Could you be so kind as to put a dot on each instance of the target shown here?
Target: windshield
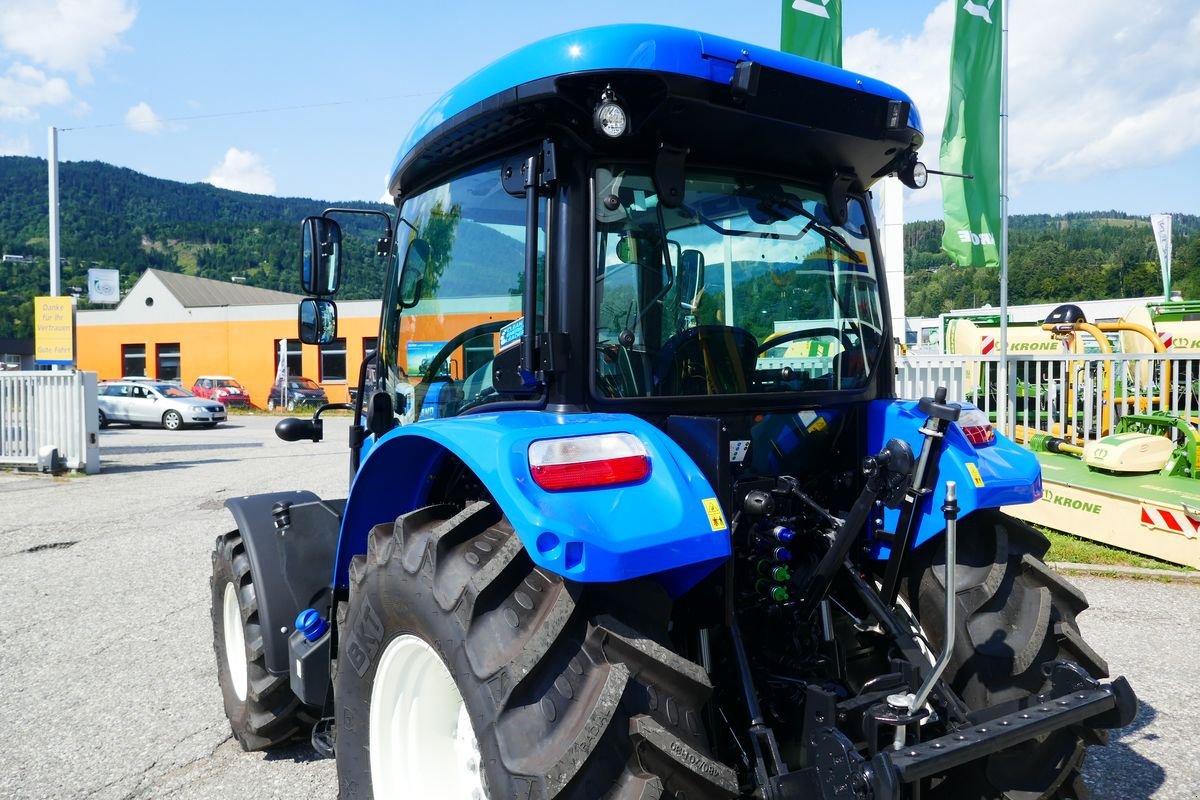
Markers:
(220, 384)
(748, 286)
(167, 390)
(302, 383)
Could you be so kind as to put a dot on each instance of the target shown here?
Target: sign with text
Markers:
(54, 330)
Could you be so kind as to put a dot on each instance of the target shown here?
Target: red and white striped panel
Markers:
(989, 344)
(1174, 521)
(1166, 339)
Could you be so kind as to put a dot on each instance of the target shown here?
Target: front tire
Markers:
(172, 421)
(261, 707)
(1015, 616)
(542, 688)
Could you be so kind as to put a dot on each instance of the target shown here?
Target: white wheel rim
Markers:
(421, 740)
(235, 641)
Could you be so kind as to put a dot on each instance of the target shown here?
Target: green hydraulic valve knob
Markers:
(772, 590)
(776, 572)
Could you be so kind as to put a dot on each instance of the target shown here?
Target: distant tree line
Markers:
(120, 219)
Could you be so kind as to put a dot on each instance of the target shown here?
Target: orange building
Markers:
(177, 327)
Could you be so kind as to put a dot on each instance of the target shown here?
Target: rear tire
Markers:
(261, 707)
(103, 420)
(1015, 615)
(567, 689)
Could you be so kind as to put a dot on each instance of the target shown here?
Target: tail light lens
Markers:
(976, 426)
(580, 462)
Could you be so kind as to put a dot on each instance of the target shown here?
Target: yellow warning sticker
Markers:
(716, 519)
(975, 476)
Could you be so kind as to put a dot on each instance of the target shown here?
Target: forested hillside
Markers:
(117, 218)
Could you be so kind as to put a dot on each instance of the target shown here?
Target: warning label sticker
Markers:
(975, 476)
(716, 519)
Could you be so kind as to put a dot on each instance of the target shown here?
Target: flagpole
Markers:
(1003, 394)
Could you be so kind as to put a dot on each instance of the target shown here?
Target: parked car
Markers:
(165, 404)
(223, 388)
(300, 392)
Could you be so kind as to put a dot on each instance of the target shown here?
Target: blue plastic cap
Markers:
(310, 623)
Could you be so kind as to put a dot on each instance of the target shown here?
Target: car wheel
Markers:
(271, 404)
(103, 420)
(291, 406)
(172, 421)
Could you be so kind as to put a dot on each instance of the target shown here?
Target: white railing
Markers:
(1076, 397)
(49, 409)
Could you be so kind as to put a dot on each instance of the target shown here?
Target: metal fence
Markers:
(1076, 397)
(49, 409)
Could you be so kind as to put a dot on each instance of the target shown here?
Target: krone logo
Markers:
(972, 8)
(815, 7)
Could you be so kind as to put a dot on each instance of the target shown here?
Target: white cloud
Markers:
(1094, 85)
(142, 118)
(16, 147)
(243, 171)
(23, 88)
(64, 35)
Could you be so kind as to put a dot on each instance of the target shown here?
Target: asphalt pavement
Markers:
(107, 678)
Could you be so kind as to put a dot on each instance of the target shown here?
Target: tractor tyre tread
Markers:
(567, 699)
(1007, 630)
(271, 714)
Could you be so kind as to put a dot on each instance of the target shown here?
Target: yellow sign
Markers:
(716, 519)
(54, 330)
(975, 476)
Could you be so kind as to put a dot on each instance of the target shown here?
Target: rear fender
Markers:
(291, 566)
(1003, 473)
(659, 526)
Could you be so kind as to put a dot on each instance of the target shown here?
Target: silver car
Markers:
(165, 404)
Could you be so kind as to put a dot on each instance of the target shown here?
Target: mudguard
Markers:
(290, 567)
(668, 525)
(1002, 473)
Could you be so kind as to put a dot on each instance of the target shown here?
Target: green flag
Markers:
(971, 138)
(813, 29)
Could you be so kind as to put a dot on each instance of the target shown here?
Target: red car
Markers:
(222, 388)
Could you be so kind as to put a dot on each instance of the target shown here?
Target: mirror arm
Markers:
(383, 245)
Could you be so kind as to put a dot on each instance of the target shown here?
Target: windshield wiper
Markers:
(830, 234)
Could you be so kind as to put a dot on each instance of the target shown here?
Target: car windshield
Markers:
(302, 383)
(227, 384)
(748, 286)
(168, 390)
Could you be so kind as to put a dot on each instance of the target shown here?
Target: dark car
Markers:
(296, 392)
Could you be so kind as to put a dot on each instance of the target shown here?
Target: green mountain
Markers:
(117, 218)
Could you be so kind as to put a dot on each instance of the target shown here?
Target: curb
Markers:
(1126, 572)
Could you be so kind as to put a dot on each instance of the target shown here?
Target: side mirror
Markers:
(317, 321)
(690, 278)
(321, 259)
(412, 273)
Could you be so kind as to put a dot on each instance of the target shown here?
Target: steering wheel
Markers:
(807, 333)
(431, 372)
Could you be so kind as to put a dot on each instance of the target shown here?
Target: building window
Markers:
(333, 361)
(295, 363)
(166, 361)
(133, 360)
(370, 345)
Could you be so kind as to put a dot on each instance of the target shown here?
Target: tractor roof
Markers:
(556, 82)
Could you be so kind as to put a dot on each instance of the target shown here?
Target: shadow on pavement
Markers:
(1117, 771)
(300, 752)
(109, 468)
(166, 448)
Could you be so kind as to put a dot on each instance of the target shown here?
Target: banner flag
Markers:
(1161, 223)
(104, 286)
(971, 137)
(813, 29)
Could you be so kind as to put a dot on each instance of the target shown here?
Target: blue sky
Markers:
(1104, 110)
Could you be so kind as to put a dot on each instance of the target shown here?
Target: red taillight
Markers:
(580, 462)
(976, 426)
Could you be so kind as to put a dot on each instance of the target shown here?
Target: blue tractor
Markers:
(633, 509)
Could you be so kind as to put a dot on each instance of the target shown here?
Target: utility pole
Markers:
(52, 162)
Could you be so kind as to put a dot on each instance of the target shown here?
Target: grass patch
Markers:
(1077, 550)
